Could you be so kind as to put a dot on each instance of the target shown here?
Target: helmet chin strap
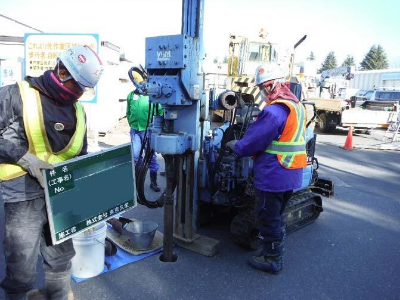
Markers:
(273, 86)
(276, 81)
(265, 92)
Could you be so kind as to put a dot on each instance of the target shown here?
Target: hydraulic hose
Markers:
(142, 165)
(225, 136)
(141, 178)
(142, 168)
(314, 111)
(247, 118)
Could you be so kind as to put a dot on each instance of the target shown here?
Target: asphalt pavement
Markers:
(374, 139)
(350, 252)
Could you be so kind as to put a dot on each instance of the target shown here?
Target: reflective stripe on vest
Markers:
(291, 146)
(37, 138)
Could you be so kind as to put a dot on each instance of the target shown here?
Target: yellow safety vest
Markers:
(290, 149)
(37, 138)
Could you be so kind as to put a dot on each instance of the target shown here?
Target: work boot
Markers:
(270, 259)
(35, 295)
(57, 285)
(153, 184)
(39, 295)
(20, 296)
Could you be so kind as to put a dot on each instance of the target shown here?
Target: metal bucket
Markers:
(141, 233)
(89, 258)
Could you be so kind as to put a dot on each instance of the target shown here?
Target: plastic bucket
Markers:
(89, 258)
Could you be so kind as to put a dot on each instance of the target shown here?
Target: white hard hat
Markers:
(84, 65)
(268, 71)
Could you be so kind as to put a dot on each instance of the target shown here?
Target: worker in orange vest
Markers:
(277, 140)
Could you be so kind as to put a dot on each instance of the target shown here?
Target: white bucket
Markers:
(89, 248)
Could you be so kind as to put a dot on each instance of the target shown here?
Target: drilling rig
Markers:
(201, 174)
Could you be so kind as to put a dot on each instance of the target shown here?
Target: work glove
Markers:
(34, 166)
(231, 144)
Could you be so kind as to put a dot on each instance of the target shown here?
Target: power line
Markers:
(20, 23)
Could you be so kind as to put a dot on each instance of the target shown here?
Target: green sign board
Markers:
(86, 190)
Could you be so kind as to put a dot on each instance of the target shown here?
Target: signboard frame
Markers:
(88, 167)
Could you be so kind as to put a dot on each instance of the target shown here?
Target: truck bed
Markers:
(364, 118)
(334, 105)
(334, 112)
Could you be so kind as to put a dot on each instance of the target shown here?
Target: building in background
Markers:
(12, 49)
(368, 80)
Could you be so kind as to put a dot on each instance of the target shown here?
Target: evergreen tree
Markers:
(329, 63)
(349, 61)
(311, 57)
(375, 59)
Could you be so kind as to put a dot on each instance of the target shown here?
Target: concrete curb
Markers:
(387, 147)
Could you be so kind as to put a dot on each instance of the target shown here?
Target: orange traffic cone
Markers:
(348, 145)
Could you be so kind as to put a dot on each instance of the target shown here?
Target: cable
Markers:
(142, 165)
(246, 120)
(221, 152)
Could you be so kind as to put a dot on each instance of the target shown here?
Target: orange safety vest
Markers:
(36, 134)
(290, 149)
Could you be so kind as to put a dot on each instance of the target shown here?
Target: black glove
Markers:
(231, 144)
(34, 166)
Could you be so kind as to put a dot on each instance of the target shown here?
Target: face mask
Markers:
(264, 95)
(56, 90)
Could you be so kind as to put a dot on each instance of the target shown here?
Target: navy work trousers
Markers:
(26, 230)
(269, 210)
(137, 139)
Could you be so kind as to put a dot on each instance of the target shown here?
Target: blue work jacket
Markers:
(269, 175)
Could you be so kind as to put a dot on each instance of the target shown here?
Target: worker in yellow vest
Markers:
(41, 123)
(277, 140)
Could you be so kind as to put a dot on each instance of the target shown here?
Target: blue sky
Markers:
(346, 27)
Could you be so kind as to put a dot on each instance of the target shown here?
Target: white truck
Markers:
(334, 107)
(338, 112)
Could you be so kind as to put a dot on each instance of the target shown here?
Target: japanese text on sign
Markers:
(43, 56)
(60, 180)
(94, 220)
